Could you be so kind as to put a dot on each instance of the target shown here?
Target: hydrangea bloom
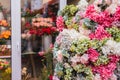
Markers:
(111, 47)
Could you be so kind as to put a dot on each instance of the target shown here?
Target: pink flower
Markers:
(105, 71)
(60, 23)
(84, 58)
(91, 13)
(41, 53)
(102, 18)
(1, 67)
(51, 45)
(75, 59)
(117, 14)
(55, 78)
(114, 58)
(100, 33)
(113, 77)
(59, 56)
(93, 54)
(58, 39)
(97, 77)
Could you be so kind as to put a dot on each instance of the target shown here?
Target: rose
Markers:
(41, 53)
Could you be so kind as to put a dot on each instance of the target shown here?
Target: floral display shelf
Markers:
(5, 57)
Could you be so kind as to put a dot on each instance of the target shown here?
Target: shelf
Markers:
(2, 57)
(27, 53)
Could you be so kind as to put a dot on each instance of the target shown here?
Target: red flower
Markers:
(32, 31)
(93, 54)
(27, 25)
(51, 77)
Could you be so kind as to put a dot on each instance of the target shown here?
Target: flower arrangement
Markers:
(3, 23)
(4, 50)
(42, 26)
(5, 34)
(90, 52)
(47, 69)
(5, 70)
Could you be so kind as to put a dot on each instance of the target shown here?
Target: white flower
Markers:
(75, 59)
(84, 58)
(81, 6)
(66, 65)
(97, 77)
(113, 77)
(111, 47)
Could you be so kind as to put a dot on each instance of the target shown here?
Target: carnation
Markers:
(60, 23)
(99, 34)
(93, 54)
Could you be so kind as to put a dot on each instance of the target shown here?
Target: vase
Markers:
(46, 41)
(36, 43)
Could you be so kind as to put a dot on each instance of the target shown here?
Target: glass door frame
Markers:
(16, 36)
(16, 39)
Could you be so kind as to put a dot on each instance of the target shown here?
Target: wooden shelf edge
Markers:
(2, 57)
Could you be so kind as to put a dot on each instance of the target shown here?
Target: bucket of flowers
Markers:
(5, 34)
(5, 70)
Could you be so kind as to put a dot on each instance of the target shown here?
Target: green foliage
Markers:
(83, 69)
(89, 24)
(96, 44)
(70, 24)
(68, 75)
(115, 33)
(47, 63)
(70, 10)
(80, 46)
(102, 60)
(2, 41)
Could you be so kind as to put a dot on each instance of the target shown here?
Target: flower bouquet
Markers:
(5, 70)
(42, 26)
(5, 34)
(87, 47)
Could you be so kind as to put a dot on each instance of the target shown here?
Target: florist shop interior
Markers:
(59, 39)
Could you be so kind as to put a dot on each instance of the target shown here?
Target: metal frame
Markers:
(63, 3)
(16, 39)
